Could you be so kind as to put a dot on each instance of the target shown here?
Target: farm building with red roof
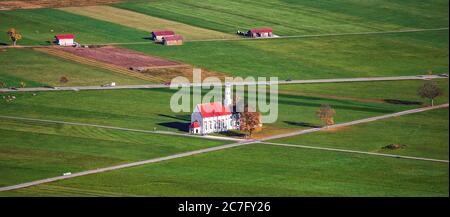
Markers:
(65, 40)
(160, 35)
(214, 117)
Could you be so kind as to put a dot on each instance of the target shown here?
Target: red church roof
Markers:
(214, 109)
(70, 36)
(261, 30)
(195, 125)
(163, 33)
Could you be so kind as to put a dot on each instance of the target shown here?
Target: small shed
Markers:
(173, 40)
(194, 127)
(65, 40)
(260, 33)
(160, 35)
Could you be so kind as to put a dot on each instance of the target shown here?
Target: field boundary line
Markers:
(242, 39)
(155, 86)
(329, 34)
(120, 128)
(356, 152)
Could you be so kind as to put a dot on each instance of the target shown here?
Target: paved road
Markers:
(240, 143)
(154, 86)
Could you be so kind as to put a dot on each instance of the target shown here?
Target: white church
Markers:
(215, 117)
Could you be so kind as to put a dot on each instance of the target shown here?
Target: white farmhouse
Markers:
(215, 117)
(65, 40)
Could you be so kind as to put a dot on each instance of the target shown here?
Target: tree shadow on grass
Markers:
(184, 127)
(401, 102)
(232, 134)
(302, 124)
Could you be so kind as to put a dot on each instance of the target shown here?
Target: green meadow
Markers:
(423, 135)
(34, 150)
(261, 170)
(317, 57)
(150, 109)
(37, 69)
(293, 17)
(39, 26)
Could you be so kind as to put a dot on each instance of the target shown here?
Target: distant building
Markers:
(65, 40)
(159, 36)
(260, 33)
(215, 117)
(173, 40)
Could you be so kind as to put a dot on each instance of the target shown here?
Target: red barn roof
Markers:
(213, 109)
(195, 125)
(173, 38)
(261, 30)
(70, 36)
(163, 33)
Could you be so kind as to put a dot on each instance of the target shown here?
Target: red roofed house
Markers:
(65, 40)
(173, 40)
(159, 36)
(214, 117)
(260, 33)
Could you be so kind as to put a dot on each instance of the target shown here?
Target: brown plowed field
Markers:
(31, 4)
(86, 61)
(122, 57)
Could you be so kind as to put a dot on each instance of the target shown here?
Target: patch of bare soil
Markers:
(122, 57)
(32, 4)
(394, 146)
(186, 71)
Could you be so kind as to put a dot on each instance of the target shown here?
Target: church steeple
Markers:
(227, 102)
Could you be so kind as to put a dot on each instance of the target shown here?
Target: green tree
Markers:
(430, 90)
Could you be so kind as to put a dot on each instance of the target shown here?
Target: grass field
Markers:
(38, 27)
(317, 57)
(39, 69)
(261, 170)
(147, 109)
(293, 17)
(32, 150)
(385, 91)
(145, 22)
(424, 134)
